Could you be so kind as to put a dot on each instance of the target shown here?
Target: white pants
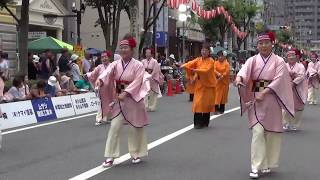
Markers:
(312, 95)
(265, 148)
(151, 101)
(137, 140)
(292, 121)
(99, 117)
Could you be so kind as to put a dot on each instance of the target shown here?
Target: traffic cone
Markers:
(178, 87)
(170, 93)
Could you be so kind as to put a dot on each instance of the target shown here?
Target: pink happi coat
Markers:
(300, 85)
(313, 71)
(132, 107)
(155, 79)
(267, 112)
(106, 93)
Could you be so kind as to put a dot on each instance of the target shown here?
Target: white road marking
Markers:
(99, 169)
(47, 124)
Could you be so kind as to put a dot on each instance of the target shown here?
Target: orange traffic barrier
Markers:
(170, 92)
(178, 86)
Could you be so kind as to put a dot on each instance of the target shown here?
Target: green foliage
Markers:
(241, 11)
(284, 37)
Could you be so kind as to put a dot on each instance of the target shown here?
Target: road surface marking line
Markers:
(47, 124)
(99, 169)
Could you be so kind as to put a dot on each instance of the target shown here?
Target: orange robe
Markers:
(190, 85)
(222, 89)
(205, 84)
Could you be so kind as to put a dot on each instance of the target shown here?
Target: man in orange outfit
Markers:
(222, 70)
(205, 87)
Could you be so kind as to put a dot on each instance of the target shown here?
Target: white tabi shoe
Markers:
(266, 171)
(286, 127)
(97, 123)
(254, 174)
(107, 163)
(136, 160)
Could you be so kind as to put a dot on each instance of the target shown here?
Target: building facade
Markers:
(300, 15)
(8, 35)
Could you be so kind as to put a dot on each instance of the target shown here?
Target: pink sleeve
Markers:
(300, 75)
(107, 76)
(93, 76)
(156, 72)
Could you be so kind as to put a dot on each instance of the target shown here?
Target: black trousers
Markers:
(220, 108)
(191, 97)
(201, 120)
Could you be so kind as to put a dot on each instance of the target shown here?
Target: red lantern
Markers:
(194, 6)
(199, 11)
(218, 11)
(213, 13)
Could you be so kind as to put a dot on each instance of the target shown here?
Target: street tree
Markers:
(243, 13)
(215, 29)
(150, 19)
(109, 12)
(23, 29)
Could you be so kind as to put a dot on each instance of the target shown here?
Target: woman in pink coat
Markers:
(313, 72)
(265, 89)
(153, 68)
(104, 92)
(127, 78)
(300, 89)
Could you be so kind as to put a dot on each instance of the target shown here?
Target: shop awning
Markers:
(55, 45)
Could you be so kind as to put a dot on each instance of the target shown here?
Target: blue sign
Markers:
(43, 109)
(162, 39)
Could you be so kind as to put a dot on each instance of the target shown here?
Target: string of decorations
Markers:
(208, 14)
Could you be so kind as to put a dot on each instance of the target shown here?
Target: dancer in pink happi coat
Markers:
(300, 89)
(313, 73)
(127, 77)
(265, 88)
(152, 67)
(103, 92)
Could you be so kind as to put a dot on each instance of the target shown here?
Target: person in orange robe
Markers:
(222, 70)
(205, 86)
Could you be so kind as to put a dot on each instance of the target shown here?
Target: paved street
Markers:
(221, 152)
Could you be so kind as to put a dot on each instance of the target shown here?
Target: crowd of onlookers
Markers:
(47, 76)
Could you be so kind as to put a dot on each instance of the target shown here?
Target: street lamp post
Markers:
(51, 18)
(183, 18)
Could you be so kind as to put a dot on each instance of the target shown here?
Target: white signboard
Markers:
(37, 35)
(17, 114)
(85, 103)
(63, 106)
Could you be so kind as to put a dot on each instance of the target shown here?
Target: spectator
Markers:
(33, 66)
(50, 88)
(98, 61)
(75, 70)
(47, 65)
(39, 91)
(14, 90)
(4, 65)
(7, 97)
(67, 84)
(25, 90)
(63, 62)
(86, 63)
